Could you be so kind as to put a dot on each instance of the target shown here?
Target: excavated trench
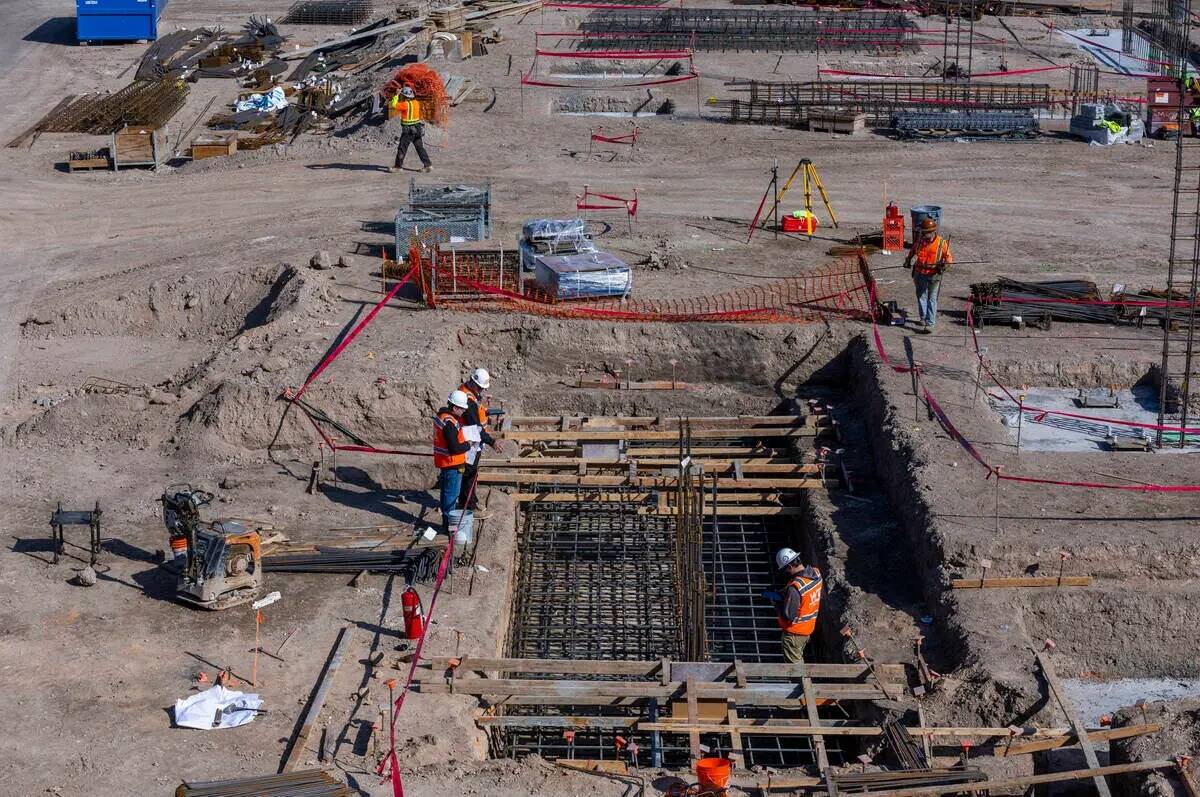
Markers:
(886, 553)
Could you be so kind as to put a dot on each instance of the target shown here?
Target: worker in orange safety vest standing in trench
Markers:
(476, 416)
(450, 449)
(798, 605)
(928, 259)
(412, 128)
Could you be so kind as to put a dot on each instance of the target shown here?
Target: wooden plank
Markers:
(660, 668)
(1085, 742)
(293, 755)
(572, 689)
(659, 458)
(1065, 741)
(603, 497)
(693, 717)
(557, 722)
(593, 765)
(1004, 784)
(672, 422)
(646, 434)
(1039, 581)
(569, 480)
(736, 754)
(291, 55)
(810, 706)
(1189, 783)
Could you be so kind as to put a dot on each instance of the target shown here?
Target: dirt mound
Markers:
(218, 305)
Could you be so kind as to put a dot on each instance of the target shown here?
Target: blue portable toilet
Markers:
(117, 20)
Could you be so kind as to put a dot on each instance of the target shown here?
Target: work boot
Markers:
(428, 169)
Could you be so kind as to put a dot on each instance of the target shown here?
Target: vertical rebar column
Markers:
(689, 513)
(1183, 260)
(1127, 26)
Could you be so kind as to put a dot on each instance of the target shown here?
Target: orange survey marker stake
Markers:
(258, 621)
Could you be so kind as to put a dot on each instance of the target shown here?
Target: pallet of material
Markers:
(214, 145)
(136, 145)
(82, 161)
(448, 17)
(846, 122)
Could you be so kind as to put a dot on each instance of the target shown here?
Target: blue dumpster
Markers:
(922, 212)
(117, 20)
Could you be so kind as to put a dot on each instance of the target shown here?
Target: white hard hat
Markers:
(458, 399)
(785, 557)
(406, 91)
(481, 377)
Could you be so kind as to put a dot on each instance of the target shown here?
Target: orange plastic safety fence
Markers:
(478, 283)
(427, 85)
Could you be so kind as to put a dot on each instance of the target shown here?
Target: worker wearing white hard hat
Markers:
(475, 422)
(798, 605)
(450, 448)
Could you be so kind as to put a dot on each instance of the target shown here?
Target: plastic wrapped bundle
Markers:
(585, 275)
(553, 237)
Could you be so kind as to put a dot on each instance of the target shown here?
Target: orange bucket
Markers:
(714, 773)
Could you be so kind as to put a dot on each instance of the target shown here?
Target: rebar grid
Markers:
(595, 582)
(752, 30)
(738, 551)
(329, 12)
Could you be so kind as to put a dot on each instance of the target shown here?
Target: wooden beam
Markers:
(693, 718)
(597, 497)
(292, 755)
(653, 668)
(1005, 784)
(829, 728)
(1065, 741)
(667, 421)
(565, 480)
(647, 434)
(810, 706)
(557, 722)
(657, 460)
(703, 689)
(1038, 581)
(291, 55)
(1085, 742)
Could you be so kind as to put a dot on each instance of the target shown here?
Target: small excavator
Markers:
(221, 561)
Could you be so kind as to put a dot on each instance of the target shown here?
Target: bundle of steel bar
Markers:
(310, 783)
(1179, 314)
(146, 102)
(867, 782)
(329, 12)
(969, 124)
(748, 29)
(791, 102)
(418, 564)
(1061, 300)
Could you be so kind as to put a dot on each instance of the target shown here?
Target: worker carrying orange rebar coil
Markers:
(415, 94)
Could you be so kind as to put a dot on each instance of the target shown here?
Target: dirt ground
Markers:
(194, 280)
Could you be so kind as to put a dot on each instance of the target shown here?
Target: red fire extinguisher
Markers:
(414, 613)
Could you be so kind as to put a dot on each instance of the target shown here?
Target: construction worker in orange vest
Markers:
(450, 449)
(928, 258)
(799, 603)
(475, 416)
(412, 129)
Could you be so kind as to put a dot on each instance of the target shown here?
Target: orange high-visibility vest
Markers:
(409, 111)
(810, 605)
(483, 416)
(933, 257)
(443, 424)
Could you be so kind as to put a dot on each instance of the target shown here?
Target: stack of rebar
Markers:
(418, 565)
(329, 12)
(969, 124)
(865, 782)
(748, 29)
(1180, 315)
(310, 783)
(1062, 300)
(150, 102)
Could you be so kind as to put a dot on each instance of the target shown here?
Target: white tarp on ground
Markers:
(275, 100)
(200, 710)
